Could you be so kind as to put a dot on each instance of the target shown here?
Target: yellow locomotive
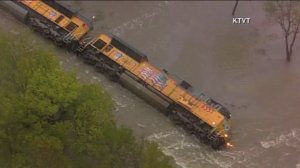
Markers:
(56, 21)
(198, 114)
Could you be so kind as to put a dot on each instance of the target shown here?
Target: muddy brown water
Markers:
(241, 66)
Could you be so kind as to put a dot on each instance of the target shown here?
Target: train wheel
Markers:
(114, 76)
(217, 143)
(169, 110)
(99, 67)
(115, 71)
(58, 42)
(189, 128)
(205, 140)
(46, 33)
(87, 57)
(175, 118)
(72, 47)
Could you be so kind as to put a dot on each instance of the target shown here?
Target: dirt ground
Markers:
(241, 66)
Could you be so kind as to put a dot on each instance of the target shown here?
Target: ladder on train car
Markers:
(69, 37)
(84, 42)
(212, 136)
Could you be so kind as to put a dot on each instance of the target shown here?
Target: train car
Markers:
(56, 21)
(200, 115)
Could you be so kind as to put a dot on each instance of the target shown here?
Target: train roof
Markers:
(201, 96)
(86, 20)
(68, 11)
(128, 49)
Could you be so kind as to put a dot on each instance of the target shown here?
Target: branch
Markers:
(289, 17)
(294, 36)
(283, 27)
(297, 30)
(289, 24)
(281, 18)
(235, 6)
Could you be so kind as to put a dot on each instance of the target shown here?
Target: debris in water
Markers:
(141, 125)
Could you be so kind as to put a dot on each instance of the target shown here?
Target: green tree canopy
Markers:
(48, 119)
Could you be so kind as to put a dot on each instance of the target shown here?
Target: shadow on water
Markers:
(139, 90)
(235, 70)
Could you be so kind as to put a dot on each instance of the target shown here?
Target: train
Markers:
(197, 113)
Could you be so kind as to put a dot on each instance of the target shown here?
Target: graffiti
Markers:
(146, 73)
(118, 55)
(52, 14)
(158, 79)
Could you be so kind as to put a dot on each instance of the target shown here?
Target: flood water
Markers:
(241, 66)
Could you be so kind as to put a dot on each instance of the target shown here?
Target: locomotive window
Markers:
(71, 26)
(99, 44)
(60, 18)
(186, 85)
(108, 48)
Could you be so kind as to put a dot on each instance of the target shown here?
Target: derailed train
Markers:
(198, 114)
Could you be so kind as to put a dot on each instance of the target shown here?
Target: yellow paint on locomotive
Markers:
(107, 39)
(145, 70)
(58, 18)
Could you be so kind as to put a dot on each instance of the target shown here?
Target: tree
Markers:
(287, 15)
(34, 92)
(153, 157)
(49, 119)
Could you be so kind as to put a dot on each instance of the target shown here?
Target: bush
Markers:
(49, 119)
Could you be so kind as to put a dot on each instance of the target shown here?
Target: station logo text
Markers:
(241, 20)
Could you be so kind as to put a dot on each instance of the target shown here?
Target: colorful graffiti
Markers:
(158, 79)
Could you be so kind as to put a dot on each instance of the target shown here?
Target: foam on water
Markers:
(291, 139)
(120, 103)
(138, 22)
(188, 152)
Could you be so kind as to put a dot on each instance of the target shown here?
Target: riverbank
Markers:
(243, 67)
(135, 151)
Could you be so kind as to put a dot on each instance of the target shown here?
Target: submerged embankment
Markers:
(241, 66)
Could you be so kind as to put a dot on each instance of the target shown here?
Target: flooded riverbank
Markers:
(241, 66)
